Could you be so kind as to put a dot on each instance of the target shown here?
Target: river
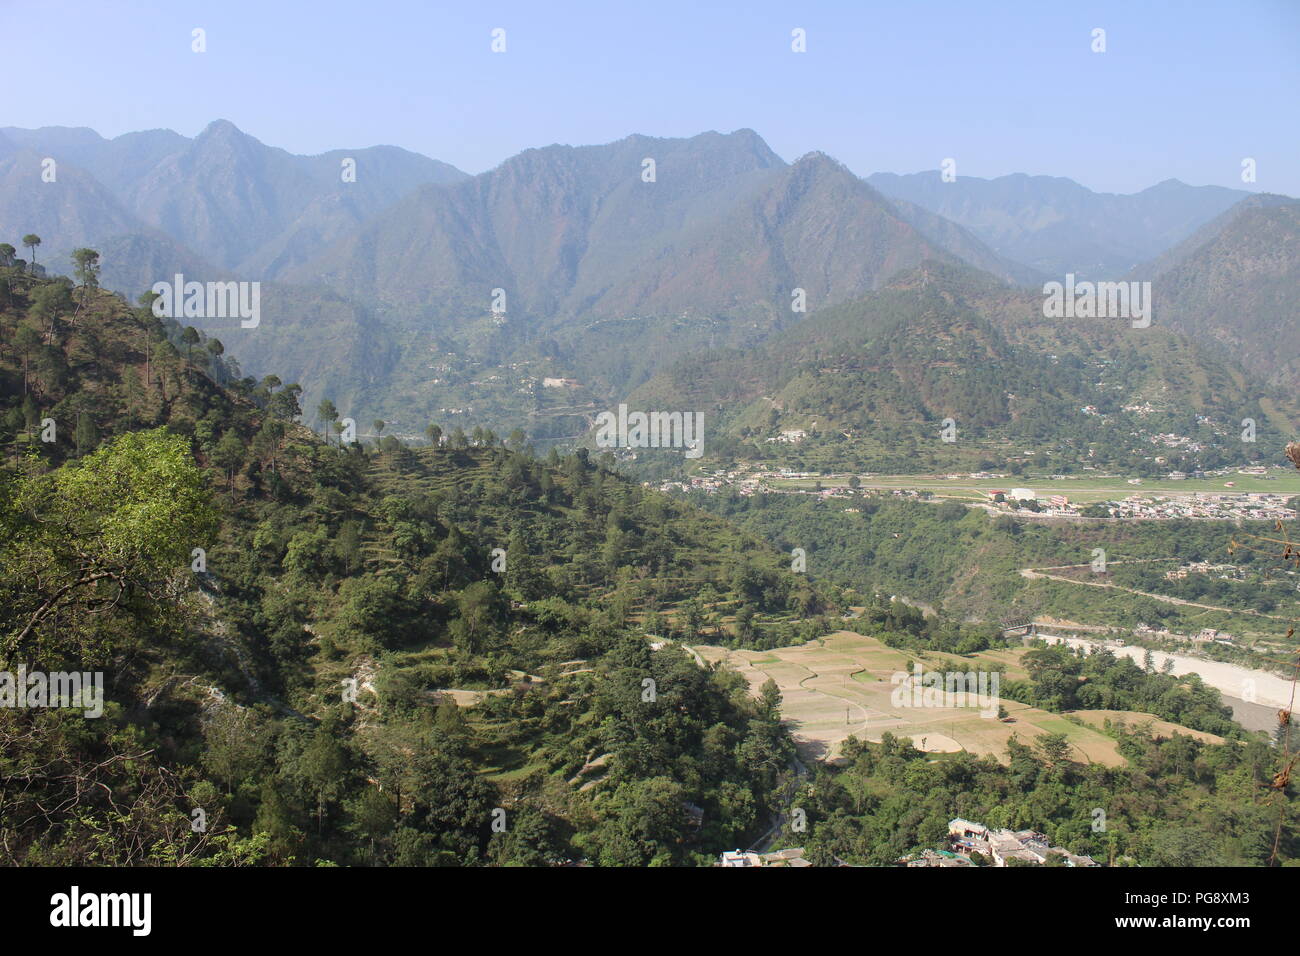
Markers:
(1254, 696)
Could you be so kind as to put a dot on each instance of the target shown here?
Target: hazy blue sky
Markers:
(1184, 90)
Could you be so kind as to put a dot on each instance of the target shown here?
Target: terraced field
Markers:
(1137, 719)
(840, 685)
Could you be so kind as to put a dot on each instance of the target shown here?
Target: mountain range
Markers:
(1233, 285)
(872, 380)
(1055, 225)
(418, 292)
(223, 199)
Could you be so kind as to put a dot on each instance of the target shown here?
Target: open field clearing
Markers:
(1007, 658)
(1076, 489)
(828, 696)
(1136, 719)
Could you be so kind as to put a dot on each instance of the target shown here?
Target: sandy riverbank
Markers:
(1232, 680)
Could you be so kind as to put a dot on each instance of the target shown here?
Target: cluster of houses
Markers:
(790, 436)
(712, 484)
(1225, 571)
(935, 858)
(1047, 504)
(998, 847)
(1251, 507)
(789, 857)
(1207, 635)
(1170, 440)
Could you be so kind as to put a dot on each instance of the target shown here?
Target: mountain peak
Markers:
(817, 162)
(221, 129)
(750, 138)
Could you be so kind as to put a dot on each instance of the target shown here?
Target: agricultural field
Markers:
(1076, 488)
(1135, 719)
(840, 686)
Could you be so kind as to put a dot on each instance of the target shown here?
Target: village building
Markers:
(792, 856)
(1001, 847)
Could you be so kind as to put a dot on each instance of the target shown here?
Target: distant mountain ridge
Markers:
(1234, 285)
(875, 377)
(224, 197)
(601, 264)
(1055, 225)
(611, 271)
(724, 228)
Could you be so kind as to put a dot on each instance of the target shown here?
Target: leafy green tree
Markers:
(117, 526)
(372, 815)
(1055, 748)
(49, 301)
(481, 607)
(644, 824)
(449, 720)
(348, 546)
(529, 840)
(372, 613)
(190, 337)
(284, 403)
(325, 765)
(745, 623)
(235, 747)
(229, 455)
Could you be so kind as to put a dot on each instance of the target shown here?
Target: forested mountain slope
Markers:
(325, 570)
(873, 380)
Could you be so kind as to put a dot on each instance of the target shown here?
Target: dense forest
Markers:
(294, 632)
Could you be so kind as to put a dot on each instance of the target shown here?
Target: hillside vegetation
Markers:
(316, 651)
(309, 643)
(871, 382)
